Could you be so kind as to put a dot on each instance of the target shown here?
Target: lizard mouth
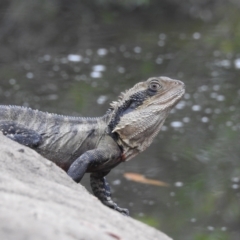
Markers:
(179, 95)
(173, 99)
(180, 92)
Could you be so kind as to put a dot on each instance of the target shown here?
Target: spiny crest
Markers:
(50, 114)
(124, 96)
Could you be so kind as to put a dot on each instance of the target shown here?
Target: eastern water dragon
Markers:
(96, 145)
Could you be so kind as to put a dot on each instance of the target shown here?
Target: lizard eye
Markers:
(154, 86)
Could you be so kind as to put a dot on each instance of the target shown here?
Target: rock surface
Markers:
(39, 201)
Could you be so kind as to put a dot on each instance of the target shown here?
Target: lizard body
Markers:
(96, 145)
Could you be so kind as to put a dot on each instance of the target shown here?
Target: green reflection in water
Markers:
(149, 221)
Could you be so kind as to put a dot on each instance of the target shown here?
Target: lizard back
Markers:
(63, 138)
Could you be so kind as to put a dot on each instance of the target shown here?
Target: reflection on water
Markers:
(71, 69)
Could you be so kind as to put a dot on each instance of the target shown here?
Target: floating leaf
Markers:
(142, 179)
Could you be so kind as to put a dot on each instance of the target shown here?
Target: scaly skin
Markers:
(96, 145)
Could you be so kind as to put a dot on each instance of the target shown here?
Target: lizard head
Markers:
(140, 112)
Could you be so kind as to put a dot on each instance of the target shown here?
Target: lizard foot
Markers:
(123, 211)
(111, 204)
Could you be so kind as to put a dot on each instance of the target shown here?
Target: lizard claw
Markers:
(113, 205)
(124, 211)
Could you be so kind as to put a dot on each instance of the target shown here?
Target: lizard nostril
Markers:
(179, 83)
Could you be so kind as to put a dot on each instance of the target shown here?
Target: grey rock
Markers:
(39, 201)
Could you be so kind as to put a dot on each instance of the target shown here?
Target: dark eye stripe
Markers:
(128, 106)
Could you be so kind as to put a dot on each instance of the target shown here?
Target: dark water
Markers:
(57, 59)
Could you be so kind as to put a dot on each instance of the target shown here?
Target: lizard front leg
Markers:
(79, 167)
(93, 159)
(101, 190)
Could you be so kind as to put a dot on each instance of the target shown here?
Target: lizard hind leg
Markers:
(21, 134)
